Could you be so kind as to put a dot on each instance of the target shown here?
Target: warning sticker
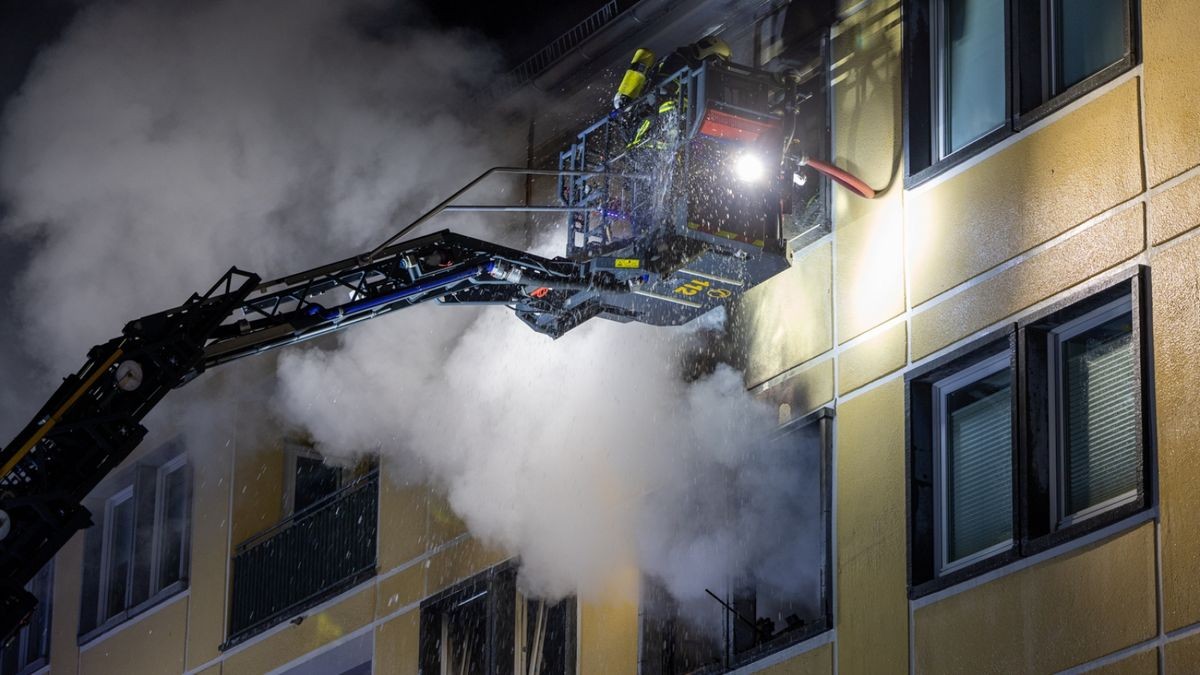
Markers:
(627, 263)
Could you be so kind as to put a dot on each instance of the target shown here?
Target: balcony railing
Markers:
(305, 559)
(550, 54)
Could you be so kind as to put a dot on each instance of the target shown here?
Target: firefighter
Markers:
(642, 72)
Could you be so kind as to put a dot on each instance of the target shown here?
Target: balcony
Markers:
(305, 559)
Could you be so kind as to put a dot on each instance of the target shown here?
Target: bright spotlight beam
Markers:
(749, 168)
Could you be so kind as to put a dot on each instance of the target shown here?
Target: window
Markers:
(137, 552)
(784, 599)
(310, 478)
(485, 626)
(979, 70)
(30, 648)
(1029, 439)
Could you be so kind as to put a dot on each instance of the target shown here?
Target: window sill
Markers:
(783, 647)
(1074, 93)
(958, 157)
(787, 653)
(133, 614)
(1008, 563)
(36, 667)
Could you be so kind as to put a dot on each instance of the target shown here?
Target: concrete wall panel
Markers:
(1175, 211)
(872, 610)
(873, 358)
(788, 319)
(152, 644)
(1176, 326)
(1070, 262)
(1047, 182)
(1171, 56)
(1047, 617)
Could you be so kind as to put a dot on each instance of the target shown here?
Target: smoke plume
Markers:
(161, 142)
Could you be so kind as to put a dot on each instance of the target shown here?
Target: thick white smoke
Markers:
(161, 142)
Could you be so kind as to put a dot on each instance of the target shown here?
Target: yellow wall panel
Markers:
(64, 616)
(872, 610)
(444, 523)
(461, 561)
(403, 518)
(1061, 613)
(608, 629)
(873, 358)
(257, 490)
(1141, 663)
(818, 661)
(868, 142)
(1057, 268)
(397, 645)
(1176, 323)
(294, 641)
(788, 319)
(1182, 656)
(402, 588)
(1047, 182)
(152, 645)
(1174, 211)
(211, 478)
(1171, 56)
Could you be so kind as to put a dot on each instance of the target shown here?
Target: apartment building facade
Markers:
(994, 361)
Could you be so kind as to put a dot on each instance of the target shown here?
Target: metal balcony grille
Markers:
(550, 54)
(305, 559)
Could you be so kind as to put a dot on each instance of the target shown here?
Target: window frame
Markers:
(130, 486)
(1036, 449)
(44, 576)
(505, 643)
(1030, 78)
(942, 388)
(1058, 448)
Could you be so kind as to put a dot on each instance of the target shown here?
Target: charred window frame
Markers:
(669, 644)
(795, 36)
(1104, 336)
(485, 626)
(137, 553)
(29, 649)
(1046, 64)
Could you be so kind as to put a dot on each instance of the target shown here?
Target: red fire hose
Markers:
(843, 178)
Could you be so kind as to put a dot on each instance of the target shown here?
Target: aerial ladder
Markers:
(657, 234)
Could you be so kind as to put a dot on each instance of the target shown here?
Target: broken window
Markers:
(484, 626)
(781, 597)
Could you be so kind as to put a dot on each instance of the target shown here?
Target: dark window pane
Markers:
(973, 70)
(465, 626)
(120, 532)
(979, 470)
(1091, 35)
(1099, 404)
(314, 481)
(174, 526)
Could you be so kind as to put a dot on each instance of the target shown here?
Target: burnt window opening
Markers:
(1031, 438)
(311, 478)
(783, 598)
(794, 36)
(485, 626)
